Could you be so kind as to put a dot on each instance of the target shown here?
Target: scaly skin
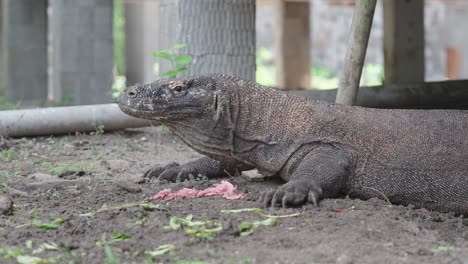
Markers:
(417, 157)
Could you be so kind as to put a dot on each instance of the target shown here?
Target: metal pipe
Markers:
(60, 120)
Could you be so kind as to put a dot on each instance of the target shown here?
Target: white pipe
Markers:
(60, 120)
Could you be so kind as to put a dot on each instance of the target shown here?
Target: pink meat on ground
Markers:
(224, 189)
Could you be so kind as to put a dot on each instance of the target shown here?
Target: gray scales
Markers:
(322, 150)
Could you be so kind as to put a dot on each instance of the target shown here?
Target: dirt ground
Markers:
(81, 199)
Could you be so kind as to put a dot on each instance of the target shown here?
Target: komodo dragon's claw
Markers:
(293, 193)
(156, 171)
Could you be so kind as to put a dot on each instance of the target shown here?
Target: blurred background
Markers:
(62, 52)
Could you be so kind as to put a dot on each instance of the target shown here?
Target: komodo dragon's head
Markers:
(170, 99)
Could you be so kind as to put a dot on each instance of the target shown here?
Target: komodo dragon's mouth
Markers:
(160, 113)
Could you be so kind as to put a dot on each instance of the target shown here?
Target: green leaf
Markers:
(170, 74)
(29, 260)
(118, 236)
(189, 217)
(10, 252)
(179, 46)
(46, 247)
(36, 213)
(111, 257)
(56, 223)
(161, 250)
(443, 249)
(29, 244)
(241, 210)
(246, 228)
(163, 54)
(203, 229)
(149, 206)
(181, 69)
(183, 59)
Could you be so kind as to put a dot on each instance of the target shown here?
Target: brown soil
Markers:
(105, 170)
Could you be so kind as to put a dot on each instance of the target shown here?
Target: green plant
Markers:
(7, 155)
(55, 222)
(323, 77)
(203, 229)
(137, 219)
(6, 104)
(111, 257)
(442, 249)
(119, 36)
(99, 130)
(120, 82)
(247, 228)
(145, 205)
(265, 69)
(161, 250)
(178, 62)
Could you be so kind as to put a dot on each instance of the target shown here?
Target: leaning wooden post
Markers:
(356, 52)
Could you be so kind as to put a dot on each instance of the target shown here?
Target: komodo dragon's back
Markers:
(322, 150)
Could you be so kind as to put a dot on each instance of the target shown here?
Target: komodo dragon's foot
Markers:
(293, 193)
(170, 172)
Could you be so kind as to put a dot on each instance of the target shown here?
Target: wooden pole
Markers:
(356, 51)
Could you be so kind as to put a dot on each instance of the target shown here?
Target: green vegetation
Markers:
(36, 221)
(247, 228)
(265, 70)
(443, 249)
(7, 155)
(119, 36)
(111, 257)
(5, 104)
(202, 229)
(322, 76)
(29, 254)
(161, 250)
(178, 61)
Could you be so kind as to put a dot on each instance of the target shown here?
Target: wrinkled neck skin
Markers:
(250, 124)
(209, 133)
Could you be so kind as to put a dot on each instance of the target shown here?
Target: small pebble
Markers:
(6, 205)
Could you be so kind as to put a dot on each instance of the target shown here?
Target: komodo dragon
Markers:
(321, 150)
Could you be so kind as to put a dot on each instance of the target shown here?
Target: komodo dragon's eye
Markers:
(132, 93)
(178, 88)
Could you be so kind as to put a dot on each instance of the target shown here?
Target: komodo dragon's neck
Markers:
(249, 122)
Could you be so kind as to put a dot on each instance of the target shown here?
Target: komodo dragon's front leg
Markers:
(205, 166)
(322, 173)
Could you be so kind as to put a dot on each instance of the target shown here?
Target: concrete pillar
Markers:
(142, 31)
(220, 35)
(292, 41)
(25, 50)
(2, 68)
(457, 40)
(82, 55)
(404, 41)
